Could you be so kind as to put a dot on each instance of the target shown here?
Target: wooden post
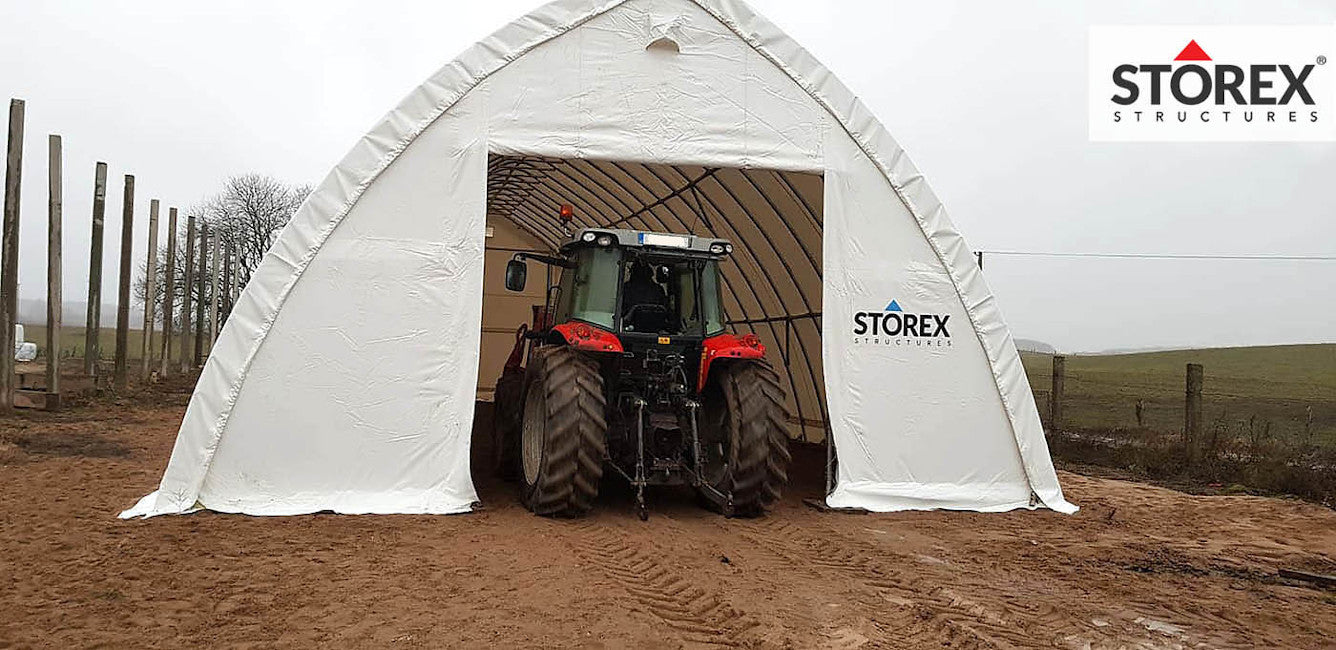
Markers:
(201, 274)
(121, 374)
(1055, 397)
(93, 324)
(9, 252)
(1192, 413)
(189, 284)
(213, 293)
(236, 277)
(55, 193)
(227, 282)
(168, 294)
(150, 292)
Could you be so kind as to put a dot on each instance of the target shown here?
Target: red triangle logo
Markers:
(1192, 52)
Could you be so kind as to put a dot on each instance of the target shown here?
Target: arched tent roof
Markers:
(344, 378)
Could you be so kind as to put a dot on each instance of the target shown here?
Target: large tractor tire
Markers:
(507, 404)
(563, 437)
(744, 440)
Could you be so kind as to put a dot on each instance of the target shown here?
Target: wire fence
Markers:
(1156, 402)
(1270, 427)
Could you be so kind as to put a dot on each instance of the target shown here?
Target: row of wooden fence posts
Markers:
(205, 260)
(1192, 405)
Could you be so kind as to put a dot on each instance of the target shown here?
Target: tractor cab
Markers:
(643, 287)
(637, 286)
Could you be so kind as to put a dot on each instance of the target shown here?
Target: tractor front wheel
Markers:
(506, 409)
(745, 444)
(563, 436)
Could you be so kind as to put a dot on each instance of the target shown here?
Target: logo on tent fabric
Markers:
(897, 327)
(1212, 83)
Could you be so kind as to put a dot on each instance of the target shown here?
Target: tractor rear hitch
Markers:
(697, 480)
(692, 406)
(640, 480)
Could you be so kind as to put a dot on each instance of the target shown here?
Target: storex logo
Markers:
(1212, 83)
(895, 326)
(1197, 80)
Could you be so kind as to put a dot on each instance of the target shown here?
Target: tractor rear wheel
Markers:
(744, 440)
(563, 436)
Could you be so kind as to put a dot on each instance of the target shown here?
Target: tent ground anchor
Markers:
(820, 506)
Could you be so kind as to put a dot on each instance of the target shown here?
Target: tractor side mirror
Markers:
(516, 273)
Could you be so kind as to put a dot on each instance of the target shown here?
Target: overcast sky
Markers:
(988, 98)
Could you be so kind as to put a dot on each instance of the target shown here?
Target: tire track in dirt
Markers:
(921, 612)
(697, 614)
(927, 610)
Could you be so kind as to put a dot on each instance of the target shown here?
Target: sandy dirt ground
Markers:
(1138, 567)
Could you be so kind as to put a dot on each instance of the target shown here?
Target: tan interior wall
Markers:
(502, 310)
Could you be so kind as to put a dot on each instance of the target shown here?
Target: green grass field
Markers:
(72, 341)
(1243, 389)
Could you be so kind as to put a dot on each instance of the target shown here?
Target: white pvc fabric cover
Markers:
(345, 377)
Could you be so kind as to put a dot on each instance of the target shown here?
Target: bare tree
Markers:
(249, 211)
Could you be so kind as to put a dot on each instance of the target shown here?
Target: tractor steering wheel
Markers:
(646, 318)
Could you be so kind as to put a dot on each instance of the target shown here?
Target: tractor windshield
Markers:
(711, 299)
(589, 291)
(670, 296)
(659, 294)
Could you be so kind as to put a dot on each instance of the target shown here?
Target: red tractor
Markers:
(629, 367)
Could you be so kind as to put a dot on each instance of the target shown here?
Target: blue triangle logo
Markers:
(894, 306)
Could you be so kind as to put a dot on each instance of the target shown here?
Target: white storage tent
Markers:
(345, 379)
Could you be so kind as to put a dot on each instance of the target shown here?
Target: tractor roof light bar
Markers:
(691, 245)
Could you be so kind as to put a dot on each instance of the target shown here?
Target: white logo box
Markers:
(1296, 46)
